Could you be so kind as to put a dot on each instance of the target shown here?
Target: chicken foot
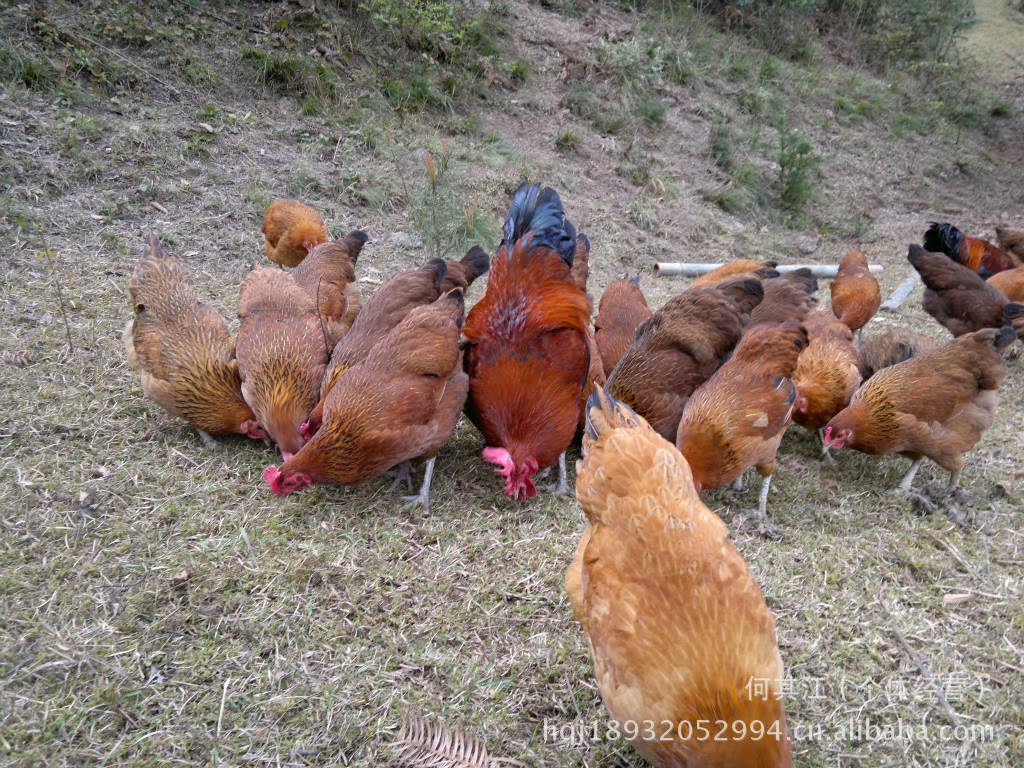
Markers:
(562, 486)
(904, 488)
(400, 473)
(207, 439)
(422, 499)
(766, 527)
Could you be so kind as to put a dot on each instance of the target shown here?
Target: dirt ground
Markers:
(162, 607)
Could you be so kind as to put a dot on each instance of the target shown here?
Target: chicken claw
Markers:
(422, 499)
(562, 486)
(400, 473)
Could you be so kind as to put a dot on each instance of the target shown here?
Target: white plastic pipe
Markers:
(900, 293)
(674, 268)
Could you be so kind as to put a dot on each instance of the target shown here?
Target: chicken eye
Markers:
(140, 308)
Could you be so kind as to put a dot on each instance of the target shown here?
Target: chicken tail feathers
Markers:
(477, 263)
(153, 249)
(605, 412)
(358, 239)
(539, 210)
(1005, 337)
(942, 238)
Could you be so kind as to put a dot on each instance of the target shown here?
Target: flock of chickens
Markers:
(668, 402)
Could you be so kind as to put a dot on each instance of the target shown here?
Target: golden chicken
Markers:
(282, 353)
(621, 311)
(1009, 282)
(935, 405)
(677, 626)
(292, 229)
(679, 347)
(738, 268)
(183, 351)
(735, 420)
(856, 295)
(399, 403)
(827, 371)
(893, 346)
(328, 275)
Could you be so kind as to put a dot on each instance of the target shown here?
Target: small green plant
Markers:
(308, 80)
(652, 111)
(447, 224)
(568, 143)
(797, 162)
(720, 144)
(642, 213)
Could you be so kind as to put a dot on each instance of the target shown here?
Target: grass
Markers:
(160, 606)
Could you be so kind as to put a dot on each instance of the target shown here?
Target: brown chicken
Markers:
(855, 292)
(183, 351)
(678, 629)
(735, 420)
(621, 311)
(974, 253)
(387, 307)
(1011, 241)
(788, 297)
(1010, 283)
(957, 297)
(328, 274)
(292, 229)
(679, 347)
(282, 354)
(737, 268)
(827, 372)
(935, 405)
(893, 346)
(399, 403)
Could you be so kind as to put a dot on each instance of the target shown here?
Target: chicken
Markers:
(735, 420)
(292, 229)
(400, 402)
(935, 405)
(388, 307)
(183, 351)
(974, 253)
(788, 297)
(679, 347)
(737, 268)
(889, 348)
(855, 292)
(1011, 241)
(676, 624)
(957, 297)
(328, 274)
(621, 311)
(282, 354)
(529, 348)
(1010, 283)
(827, 372)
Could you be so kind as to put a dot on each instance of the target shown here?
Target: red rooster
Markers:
(529, 344)
(974, 253)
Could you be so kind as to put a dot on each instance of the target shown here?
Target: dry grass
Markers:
(160, 607)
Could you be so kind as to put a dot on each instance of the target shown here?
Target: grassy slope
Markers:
(160, 606)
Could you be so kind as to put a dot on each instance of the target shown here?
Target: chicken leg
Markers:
(422, 499)
(562, 486)
(766, 527)
(908, 479)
